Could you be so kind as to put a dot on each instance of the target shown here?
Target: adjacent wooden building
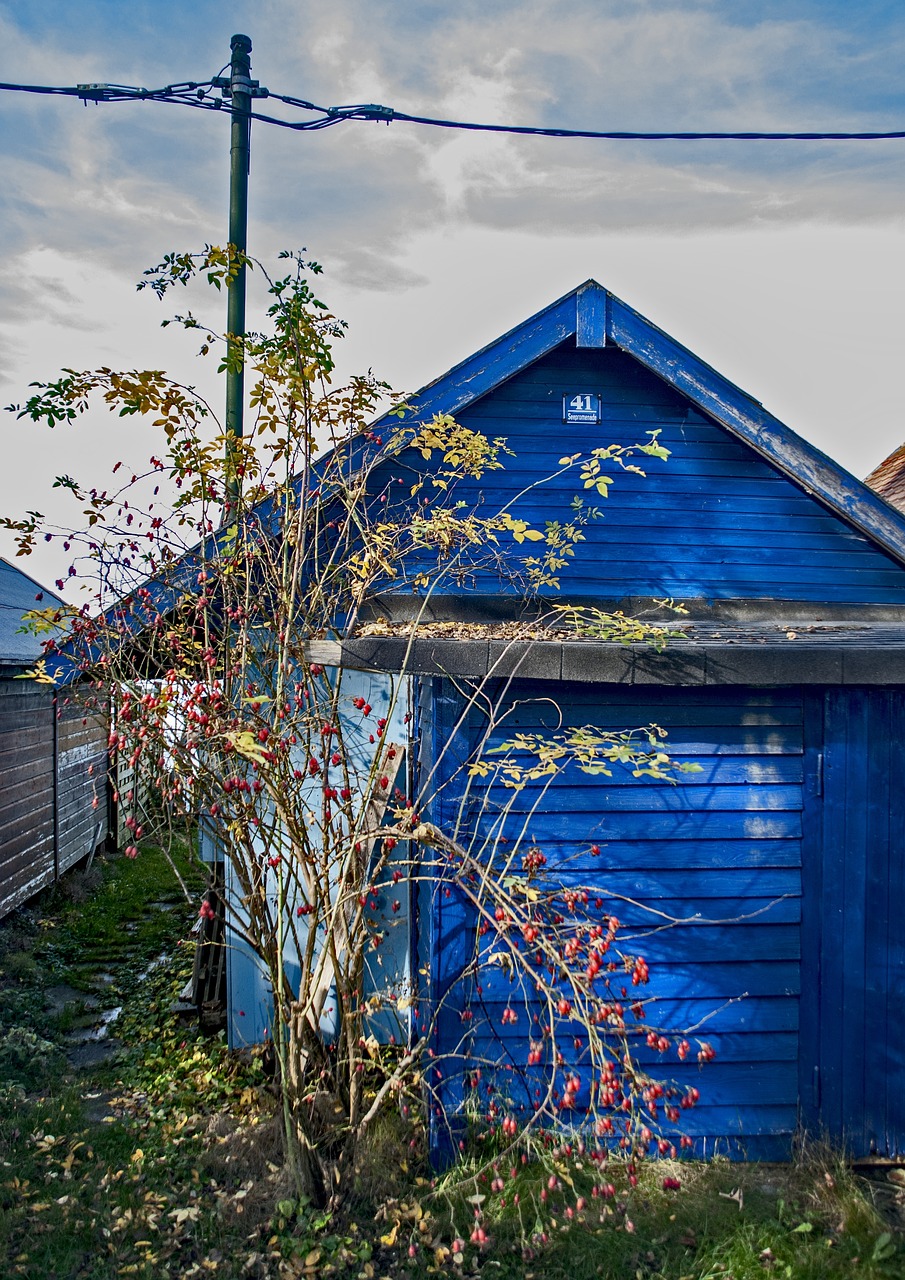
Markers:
(53, 761)
(888, 478)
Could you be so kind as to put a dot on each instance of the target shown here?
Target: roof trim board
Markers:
(848, 657)
(750, 422)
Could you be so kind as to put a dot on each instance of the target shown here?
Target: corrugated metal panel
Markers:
(81, 785)
(726, 845)
(27, 861)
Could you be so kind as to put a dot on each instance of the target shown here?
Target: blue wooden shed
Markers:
(784, 856)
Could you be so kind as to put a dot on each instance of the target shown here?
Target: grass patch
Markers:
(167, 1160)
(131, 915)
(809, 1220)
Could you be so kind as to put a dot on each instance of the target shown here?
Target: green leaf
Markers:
(884, 1247)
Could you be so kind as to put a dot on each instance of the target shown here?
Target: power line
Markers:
(115, 92)
(636, 136)
(195, 94)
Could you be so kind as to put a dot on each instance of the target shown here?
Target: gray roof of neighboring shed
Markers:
(18, 594)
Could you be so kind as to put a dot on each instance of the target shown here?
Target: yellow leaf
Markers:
(390, 1238)
(247, 745)
(313, 1258)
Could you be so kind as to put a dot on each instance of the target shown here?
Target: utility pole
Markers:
(241, 88)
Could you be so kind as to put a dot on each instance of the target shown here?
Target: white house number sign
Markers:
(581, 408)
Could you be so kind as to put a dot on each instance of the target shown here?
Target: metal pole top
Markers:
(241, 42)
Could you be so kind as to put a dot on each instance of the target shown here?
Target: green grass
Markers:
(807, 1220)
(791, 1222)
(166, 1160)
(114, 927)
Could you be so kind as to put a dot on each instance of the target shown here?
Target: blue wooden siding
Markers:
(715, 521)
(724, 845)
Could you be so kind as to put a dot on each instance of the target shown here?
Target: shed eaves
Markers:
(760, 654)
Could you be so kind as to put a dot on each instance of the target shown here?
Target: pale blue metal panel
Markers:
(387, 967)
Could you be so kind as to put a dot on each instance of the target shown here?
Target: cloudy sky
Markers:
(781, 264)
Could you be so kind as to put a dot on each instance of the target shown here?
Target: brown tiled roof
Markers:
(888, 479)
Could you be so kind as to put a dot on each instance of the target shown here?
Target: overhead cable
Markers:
(196, 94)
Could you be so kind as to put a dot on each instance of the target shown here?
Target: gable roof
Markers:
(596, 318)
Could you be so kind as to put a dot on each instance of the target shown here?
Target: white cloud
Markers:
(780, 263)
